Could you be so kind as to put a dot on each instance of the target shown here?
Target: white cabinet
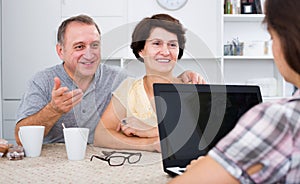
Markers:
(28, 45)
(9, 119)
(111, 17)
(1, 122)
(28, 41)
(256, 65)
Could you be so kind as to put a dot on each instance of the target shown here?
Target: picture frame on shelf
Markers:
(247, 8)
(251, 7)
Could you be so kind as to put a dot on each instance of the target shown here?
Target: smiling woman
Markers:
(160, 54)
(158, 42)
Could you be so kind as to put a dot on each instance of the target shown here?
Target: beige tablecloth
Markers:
(54, 167)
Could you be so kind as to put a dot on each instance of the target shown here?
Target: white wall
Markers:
(1, 70)
(201, 17)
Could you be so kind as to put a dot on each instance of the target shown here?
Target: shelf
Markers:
(248, 57)
(243, 17)
(271, 98)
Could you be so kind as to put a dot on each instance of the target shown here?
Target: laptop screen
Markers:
(193, 118)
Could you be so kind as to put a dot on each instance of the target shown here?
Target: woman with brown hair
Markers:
(130, 120)
(264, 147)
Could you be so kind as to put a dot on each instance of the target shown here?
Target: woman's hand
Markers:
(132, 126)
(191, 77)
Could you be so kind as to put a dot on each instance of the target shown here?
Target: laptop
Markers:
(193, 118)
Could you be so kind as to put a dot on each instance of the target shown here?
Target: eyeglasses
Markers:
(115, 158)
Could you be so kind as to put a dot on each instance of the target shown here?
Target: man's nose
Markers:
(88, 54)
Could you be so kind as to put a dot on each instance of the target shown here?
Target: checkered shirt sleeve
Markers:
(268, 134)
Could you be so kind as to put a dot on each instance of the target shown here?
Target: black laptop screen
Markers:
(193, 118)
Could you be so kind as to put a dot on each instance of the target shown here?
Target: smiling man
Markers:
(75, 92)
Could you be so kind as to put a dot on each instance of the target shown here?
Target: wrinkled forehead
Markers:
(79, 32)
(162, 34)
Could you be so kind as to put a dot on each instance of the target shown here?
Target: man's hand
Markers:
(64, 100)
(191, 77)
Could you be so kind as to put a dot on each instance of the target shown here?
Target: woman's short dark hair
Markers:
(79, 18)
(283, 17)
(143, 30)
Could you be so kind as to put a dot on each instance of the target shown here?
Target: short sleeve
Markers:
(36, 96)
(121, 93)
(262, 136)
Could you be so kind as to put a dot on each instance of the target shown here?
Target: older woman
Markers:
(130, 121)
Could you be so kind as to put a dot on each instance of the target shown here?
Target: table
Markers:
(54, 167)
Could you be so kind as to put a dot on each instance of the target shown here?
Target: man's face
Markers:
(80, 51)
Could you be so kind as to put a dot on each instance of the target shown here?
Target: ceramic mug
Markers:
(31, 138)
(76, 142)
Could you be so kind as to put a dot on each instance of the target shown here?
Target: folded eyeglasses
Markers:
(116, 158)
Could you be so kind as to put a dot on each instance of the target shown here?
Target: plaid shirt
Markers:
(268, 134)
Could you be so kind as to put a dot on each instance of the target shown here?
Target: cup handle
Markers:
(20, 136)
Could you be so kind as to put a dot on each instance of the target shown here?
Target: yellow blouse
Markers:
(132, 95)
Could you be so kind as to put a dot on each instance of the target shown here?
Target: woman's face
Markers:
(285, 70)
(160, 51)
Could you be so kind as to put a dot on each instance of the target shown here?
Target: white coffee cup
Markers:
(76, 141)
(31, 138)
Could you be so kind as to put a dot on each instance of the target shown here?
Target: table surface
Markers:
(54, 167)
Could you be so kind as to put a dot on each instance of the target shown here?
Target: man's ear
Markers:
(59, 51)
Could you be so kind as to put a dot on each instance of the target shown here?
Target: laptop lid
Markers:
(193, 118)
